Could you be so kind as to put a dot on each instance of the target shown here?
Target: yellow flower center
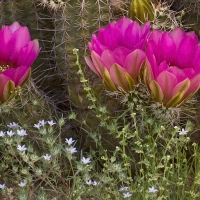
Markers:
(4, 67)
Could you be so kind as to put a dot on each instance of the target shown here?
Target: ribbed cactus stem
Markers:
(29, 106)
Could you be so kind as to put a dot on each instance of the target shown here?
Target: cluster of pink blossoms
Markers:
(169, 61)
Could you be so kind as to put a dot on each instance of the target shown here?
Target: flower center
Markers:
(4, 67)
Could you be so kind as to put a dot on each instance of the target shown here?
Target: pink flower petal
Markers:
(122, 24)
(132, 35)
(179, 73)
(100, 37)
(98, 63)
(23, 75)
(186, 52)
(151, 58)
(19, 39)
(107, 81)
(14, 26)
(8, 89)
(36, 47)
(145, 30)
(5, 50)
(162, 67)
(117, 74)
(196, 61)
(148, 75)
(18, 75)
(194, 86)
(176, 100)
(167, 47)
(156, 91)
(192, 35)
(96, 45)
(3, 81)
(108, 58)
(131, 82)
(152, 50)
(27, 55)
(91, 66)
(177, 34)
(120, 54)
(133, 63)
(189, 72)
(144, 33)
(167, 82)
(183, 86)
(110, 36)
(155, 36)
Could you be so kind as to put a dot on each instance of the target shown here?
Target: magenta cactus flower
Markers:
(117, 53)
(17, 54)
(173, 66)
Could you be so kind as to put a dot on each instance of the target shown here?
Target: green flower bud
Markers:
(141, 10)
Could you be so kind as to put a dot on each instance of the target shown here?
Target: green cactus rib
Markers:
(28, 106)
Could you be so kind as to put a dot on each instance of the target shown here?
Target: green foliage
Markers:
(153, 159)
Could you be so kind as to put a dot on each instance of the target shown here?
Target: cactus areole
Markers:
(117, 53)
(17, 54)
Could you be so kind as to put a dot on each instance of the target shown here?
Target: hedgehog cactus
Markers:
(60, 26)
(73, 29)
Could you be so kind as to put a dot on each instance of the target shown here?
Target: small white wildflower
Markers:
(51, 123)
(2, 133)
(47, 157)
(2, 186)
(22, 184)
(69, 141)
(10, 133)
(37, 125)
(72, 150)
(85, 160)
(21, 148)
(95, 183)
(89, 182)
(183, 132)
(21, 132)
(152, 190)
(42, 122)
(126, 195)
(13, 125)
(123, 189)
